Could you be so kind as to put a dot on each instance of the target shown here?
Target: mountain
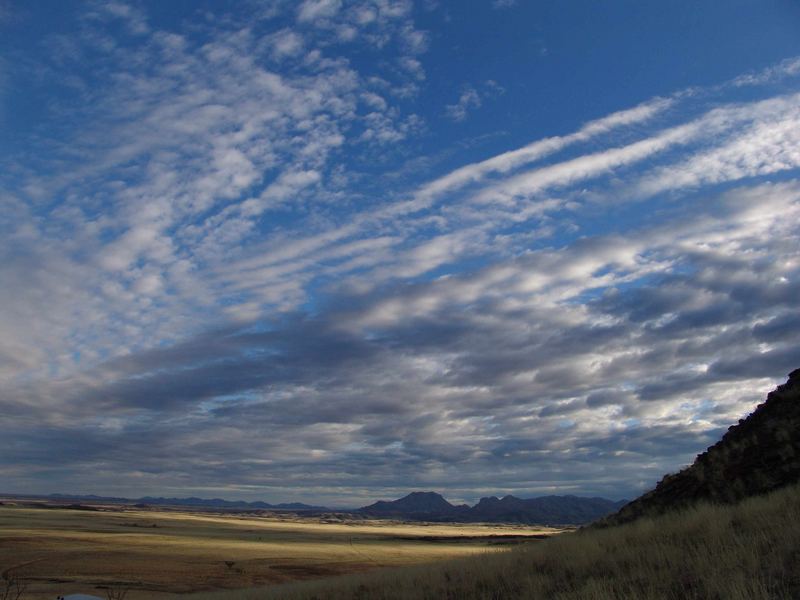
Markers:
(220, 503)
(192, 502)
(414, 505)
(554, 510)
(759, 454)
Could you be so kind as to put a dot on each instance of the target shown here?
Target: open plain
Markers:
(159, 553)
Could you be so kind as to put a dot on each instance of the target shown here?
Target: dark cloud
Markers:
(778, 329)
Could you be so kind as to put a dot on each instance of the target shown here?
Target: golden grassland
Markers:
(161, 553)
(747, 551)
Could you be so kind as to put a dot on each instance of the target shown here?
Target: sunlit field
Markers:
(161, 553)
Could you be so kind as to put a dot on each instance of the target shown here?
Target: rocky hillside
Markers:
(759, 454)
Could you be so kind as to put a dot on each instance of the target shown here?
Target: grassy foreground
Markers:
(748, 551)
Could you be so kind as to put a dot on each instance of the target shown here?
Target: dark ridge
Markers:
(232, 504)
(149, 501)
(546, 510)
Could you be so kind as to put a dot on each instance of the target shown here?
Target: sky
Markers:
(335, 251)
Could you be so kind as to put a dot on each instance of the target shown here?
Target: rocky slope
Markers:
(759, 454)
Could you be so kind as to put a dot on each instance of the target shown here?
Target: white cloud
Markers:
(287, 43)
(416, 41)
(766, 146)
(786, 68)
(585, 167)
(478, 224)
(553, 276)
(135, 19)
(413, 66)
(468, 100)
(770, 144)
(188, 149)
(312, 10)
(539, 149)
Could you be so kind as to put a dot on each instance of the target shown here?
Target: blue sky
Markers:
(335, 251)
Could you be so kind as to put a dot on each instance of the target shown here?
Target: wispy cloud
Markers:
(472, 98)
(468, 100)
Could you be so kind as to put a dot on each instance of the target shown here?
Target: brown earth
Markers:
(161, 553)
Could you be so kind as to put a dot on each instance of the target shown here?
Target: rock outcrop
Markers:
(758, 455)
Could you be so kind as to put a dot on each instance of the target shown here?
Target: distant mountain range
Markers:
(545, 510)
(758, 455)
(417, 506)
(192, 501)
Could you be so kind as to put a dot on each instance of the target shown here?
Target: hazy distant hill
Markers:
(544, 510)
(220, 503)
(191, 502)
(760, 454)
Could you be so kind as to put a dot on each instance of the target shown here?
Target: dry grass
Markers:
(749, 551)
(60, 551)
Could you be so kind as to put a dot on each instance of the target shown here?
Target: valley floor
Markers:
(748, 551)
(162, 553)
